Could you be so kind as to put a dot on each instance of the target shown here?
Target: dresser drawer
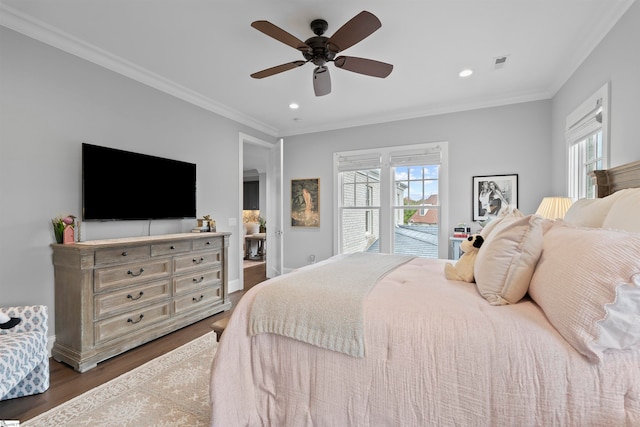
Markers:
(128, 254)
(124, 275)
(115, 294)
(204, 298)
(197, 260)
(131, 298)
(133, 321)
(194, 281)
(170, 248)
(212, 243)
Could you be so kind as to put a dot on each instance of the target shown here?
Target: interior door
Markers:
(275, 247)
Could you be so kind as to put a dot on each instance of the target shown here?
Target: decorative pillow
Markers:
(507, 259)
(624, 213)
(487, 229)
(587, 282)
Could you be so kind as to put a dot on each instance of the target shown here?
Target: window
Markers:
(586, 136)
(360, 215)
(416, 210)
(389, 200)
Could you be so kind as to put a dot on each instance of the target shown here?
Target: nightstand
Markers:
(455, 247)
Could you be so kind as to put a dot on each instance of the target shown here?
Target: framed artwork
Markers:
(493, 195)
(305, 202)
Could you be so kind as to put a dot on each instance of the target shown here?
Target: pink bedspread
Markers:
(437, 354)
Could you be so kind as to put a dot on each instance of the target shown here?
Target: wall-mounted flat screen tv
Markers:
(121, 185)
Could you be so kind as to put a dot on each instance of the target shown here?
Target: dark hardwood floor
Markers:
(65, 383)
(254, 273)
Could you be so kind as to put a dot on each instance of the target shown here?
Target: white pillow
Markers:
(590, 212)
(507, 258)
(624, 214)
(587, 282)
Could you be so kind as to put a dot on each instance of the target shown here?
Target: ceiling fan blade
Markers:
(357, 29)
(281, 35)
(277, 69)
(321, 81)
(365, 66)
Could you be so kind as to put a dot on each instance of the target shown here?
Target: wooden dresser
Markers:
(114, 295)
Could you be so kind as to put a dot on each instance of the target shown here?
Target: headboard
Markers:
(609, 181)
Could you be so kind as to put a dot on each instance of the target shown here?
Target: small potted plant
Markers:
(263, 225)
(63, 228)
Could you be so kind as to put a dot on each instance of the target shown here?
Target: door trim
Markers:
(242, 139)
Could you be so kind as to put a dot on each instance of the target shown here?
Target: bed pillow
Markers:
(587, 282)
(506, 261)
(590, 212)
(623, 214)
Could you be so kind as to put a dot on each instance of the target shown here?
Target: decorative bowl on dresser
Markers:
(116, 294)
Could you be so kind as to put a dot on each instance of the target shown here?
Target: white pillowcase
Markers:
(590, 212)
(587, 282)
(506, 261)
(624, 213)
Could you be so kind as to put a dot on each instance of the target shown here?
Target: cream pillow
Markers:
(590, 212)
(506, 261)
(587, 282)
(624, 214)
(487, 229)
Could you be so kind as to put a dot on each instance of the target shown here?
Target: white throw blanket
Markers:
(322, 304)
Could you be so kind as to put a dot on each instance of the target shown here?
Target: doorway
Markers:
(260, 163)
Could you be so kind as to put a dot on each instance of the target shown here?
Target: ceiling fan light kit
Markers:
(321, 50)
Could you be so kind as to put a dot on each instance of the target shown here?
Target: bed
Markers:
(548, 336)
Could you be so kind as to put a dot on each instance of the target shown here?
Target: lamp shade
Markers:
(554, 207)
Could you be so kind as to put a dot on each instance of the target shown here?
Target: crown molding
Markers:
(45, 33)
(609, 18)
(416, 114)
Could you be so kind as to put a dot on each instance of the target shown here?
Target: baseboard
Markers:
(51, 340)
(235, 285)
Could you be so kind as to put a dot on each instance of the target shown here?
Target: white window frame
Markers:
(587, 120)
(386, 158)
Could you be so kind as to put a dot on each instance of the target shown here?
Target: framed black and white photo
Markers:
(493, 195)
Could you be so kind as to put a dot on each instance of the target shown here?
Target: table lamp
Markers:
(554, 207)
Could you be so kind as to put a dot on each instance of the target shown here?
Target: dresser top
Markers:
(144, 239)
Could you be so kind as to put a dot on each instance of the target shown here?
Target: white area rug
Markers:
(171, 390)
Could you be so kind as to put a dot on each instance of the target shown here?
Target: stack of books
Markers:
(461, 231)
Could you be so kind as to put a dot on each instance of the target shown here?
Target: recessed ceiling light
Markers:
(466, 73)
(294, 106)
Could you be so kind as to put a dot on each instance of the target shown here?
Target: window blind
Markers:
(415, 158)
(588, 118)
(359, 162)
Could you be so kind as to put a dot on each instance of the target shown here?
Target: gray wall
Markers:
(615, 60)
(51, 102)
(491, 141)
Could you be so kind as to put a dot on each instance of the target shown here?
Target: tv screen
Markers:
(121, 185)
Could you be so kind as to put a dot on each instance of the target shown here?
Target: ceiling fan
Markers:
(320, 50)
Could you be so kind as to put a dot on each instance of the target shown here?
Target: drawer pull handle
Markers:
(132, 298)
(134, 274)
(129, 320)
(198, 299)
(198, 280)
(198, 261)
(172, 247)
(124, 253)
